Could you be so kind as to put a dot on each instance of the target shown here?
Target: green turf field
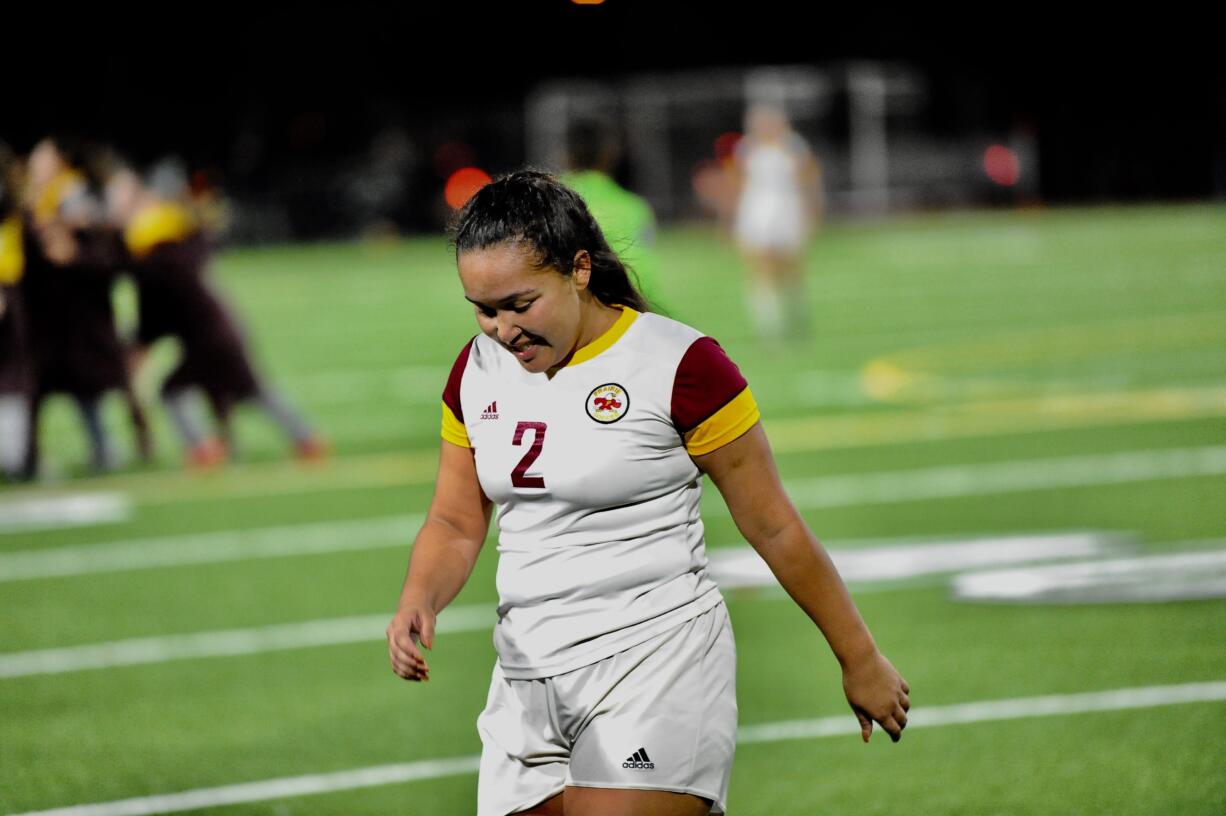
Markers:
(972, 375)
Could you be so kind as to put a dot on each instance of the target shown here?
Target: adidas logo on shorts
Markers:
(639, 761)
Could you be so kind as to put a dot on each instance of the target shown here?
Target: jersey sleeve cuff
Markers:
(453, 429)
(724, 426)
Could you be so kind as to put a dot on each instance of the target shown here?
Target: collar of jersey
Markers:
(604, 341)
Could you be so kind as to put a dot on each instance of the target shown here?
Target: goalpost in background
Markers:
(866, 121)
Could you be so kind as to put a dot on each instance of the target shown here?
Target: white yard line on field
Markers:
(741, 566)
(737, 568)
(882, 487)
(227, 642)
(274, 789)
(987, 710)
(33, 512)
(1166, 577)
(843, 724)
(1017, 476)
(203, 548)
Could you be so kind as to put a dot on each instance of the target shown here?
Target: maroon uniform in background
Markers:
(176, 301)
(76, 348)
(168, 255)
(14, 347)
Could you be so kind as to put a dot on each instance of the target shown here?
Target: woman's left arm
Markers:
(744, 471)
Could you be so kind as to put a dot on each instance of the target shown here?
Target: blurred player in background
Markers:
(778, 189)
(167, 253)
(15, 376)
(589, 421)
(629, 225)
(71, 261)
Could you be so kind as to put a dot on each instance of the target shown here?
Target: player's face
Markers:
(536, 314)
(45, 161)
(122, 193)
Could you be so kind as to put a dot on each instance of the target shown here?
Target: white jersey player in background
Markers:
(779, 203)
(588, 422)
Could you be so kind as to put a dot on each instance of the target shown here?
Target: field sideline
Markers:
(973, 376)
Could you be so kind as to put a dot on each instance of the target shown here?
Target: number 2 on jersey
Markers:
(518, 479)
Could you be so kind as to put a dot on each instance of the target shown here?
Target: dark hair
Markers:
(543, 215)
(73, 148)
(93, 160)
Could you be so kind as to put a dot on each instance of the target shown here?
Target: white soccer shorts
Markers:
(659, 716)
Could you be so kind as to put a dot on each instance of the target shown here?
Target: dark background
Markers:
(1123, 109)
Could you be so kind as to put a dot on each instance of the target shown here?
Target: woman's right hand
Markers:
(411, 628)
(877, 692)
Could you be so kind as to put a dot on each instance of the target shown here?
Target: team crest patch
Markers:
(607, 403)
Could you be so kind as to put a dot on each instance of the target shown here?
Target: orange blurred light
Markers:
(464, 184)
(725, 145)
(587, 2)
(1001, 165)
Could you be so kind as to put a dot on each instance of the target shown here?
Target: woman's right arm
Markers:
(444, 553)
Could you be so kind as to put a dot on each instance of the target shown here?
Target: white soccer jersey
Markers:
(771, 212)
(600, 539)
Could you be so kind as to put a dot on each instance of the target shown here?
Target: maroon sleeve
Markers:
(191, 252)
(706, 381)
(451, 394)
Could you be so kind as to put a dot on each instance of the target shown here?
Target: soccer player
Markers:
(626, 219)
(15, 377)
(779, 202)
(167, 254)
(589, 422)
(70, 266)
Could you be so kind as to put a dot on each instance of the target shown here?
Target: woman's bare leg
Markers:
(621, 802)
(765, 306)
(550, 807)
(617, 802)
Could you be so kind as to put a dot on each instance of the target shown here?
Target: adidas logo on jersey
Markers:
(639, 761)
(491, 411)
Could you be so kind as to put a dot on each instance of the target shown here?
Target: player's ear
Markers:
(581, 269)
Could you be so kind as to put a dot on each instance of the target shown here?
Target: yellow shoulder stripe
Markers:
(158, 224)
(53, 195)
(724, 426)
(12, 259)
(453, 429)
(604, 341)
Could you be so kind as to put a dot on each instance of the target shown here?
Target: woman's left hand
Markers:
(877, 692)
